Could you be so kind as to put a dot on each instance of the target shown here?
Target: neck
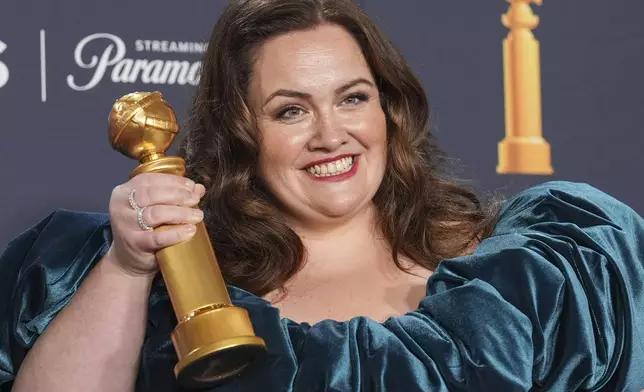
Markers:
(339, 248)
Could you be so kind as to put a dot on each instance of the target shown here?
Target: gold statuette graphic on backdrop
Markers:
(523, 150)
(214, 339)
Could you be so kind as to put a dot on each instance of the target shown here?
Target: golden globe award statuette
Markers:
(523, 150)
(214, 339)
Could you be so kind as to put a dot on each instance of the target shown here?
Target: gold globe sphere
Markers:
(142, 124)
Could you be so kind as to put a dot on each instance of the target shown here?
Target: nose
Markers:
(330, 134)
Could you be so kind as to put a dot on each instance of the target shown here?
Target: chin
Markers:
(345, 208)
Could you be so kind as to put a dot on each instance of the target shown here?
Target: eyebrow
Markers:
(298, 94)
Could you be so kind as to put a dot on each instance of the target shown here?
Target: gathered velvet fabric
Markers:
(553, 300)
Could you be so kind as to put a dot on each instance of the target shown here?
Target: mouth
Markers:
(331, 169)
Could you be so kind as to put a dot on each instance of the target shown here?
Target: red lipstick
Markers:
(327, 160)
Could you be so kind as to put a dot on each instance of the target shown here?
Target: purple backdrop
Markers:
(62, 64)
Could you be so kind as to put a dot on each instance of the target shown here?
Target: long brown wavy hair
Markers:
(424, 215)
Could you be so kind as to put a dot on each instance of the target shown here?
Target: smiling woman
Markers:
(339, 123)
(362, 265)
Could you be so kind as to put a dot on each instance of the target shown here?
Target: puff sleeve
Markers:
(40, 271)
(552, 301)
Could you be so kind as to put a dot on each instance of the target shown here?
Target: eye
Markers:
(356, 98)
(289, 112)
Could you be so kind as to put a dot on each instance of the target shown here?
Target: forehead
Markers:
(325, 55)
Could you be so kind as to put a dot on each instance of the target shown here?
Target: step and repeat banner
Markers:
(63, 64)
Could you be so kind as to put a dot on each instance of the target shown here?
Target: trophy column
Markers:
(523, 150)
(214, 339)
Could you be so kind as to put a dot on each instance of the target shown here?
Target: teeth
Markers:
(332, 168)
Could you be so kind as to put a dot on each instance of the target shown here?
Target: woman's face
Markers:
(322, 129)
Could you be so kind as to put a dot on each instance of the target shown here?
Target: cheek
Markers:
(374, 130)
(378, 140)
(280, 147)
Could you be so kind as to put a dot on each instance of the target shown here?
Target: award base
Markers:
(530, 155)
(212, 347)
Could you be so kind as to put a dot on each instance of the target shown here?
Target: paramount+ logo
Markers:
(105, 56)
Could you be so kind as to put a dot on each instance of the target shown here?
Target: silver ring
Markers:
(133, 204)
(139, 219)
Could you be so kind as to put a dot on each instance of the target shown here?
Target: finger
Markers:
(162, 179)
(159, 215)
(156, 240)
(200, 190)
(167, 195)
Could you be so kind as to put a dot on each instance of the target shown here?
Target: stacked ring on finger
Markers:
(139, 211)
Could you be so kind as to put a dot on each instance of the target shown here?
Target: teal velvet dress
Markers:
(553, 300)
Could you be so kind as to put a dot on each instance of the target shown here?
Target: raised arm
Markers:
(75, 315)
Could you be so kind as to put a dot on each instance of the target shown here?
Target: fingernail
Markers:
(190, 183)
(200, 189)
(196, 216)
(190, 229)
